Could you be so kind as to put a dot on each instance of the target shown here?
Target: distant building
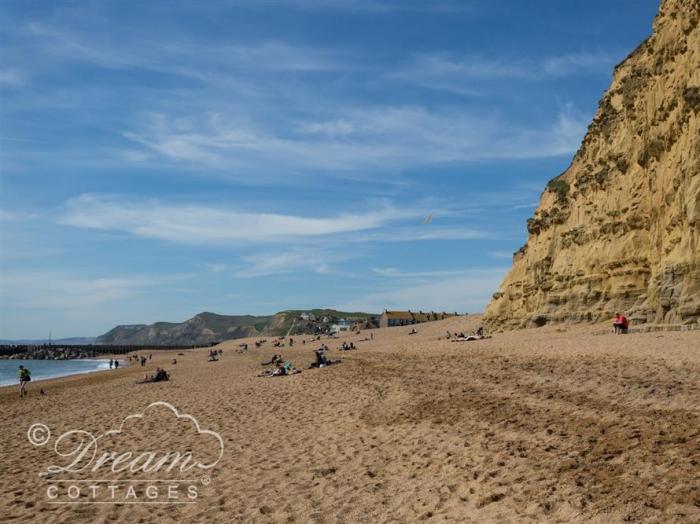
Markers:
(342, 325)
(407, 318)
(309, 317)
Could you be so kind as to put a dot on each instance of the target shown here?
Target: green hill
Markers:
(206, 327)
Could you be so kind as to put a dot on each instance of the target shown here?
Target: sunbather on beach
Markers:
(322, 360)
(159, 376)
(479, 335)
(281, 370)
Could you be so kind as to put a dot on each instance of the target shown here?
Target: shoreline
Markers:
(104, 367)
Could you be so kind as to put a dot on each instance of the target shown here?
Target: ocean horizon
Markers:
(46, 369)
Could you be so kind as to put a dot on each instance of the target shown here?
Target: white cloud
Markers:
(199, 224)
(354, 144)
(464, 74)
(371, 6)
(577, 63)
(212, 63)
(44, 289)
(332, 128)
(418, 233)
(7, 215)
(283, 262)
(280, 56)
(468, 292)
(11, 78)
(393, 272)
(505, 255)
(216, 268)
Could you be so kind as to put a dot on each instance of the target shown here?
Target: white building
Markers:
(342, 325)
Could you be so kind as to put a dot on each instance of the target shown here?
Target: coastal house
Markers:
(407, 318)
(309, 317)
(395, 318)
(342, 325)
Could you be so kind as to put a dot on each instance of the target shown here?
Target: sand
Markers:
(553, 424)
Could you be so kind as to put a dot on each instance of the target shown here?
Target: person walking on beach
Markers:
(24, 376)
(116, 364)
(111, 363)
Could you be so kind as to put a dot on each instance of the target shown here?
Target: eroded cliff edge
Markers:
(619, 229)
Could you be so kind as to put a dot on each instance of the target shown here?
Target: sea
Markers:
(42, 369)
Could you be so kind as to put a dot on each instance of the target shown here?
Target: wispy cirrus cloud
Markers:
(11, 78)
(199, 224)
(216, 268)
(209, 64)
(14, 215)
(393, 272)
(314, 260)
(357, 141)
(54, 289)
(418, 233)
(466, 75)
(468, 291)
(364, 6)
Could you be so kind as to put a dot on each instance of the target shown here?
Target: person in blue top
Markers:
(24, 376)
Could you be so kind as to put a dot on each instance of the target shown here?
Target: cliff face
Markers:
(619, 229)
(202, 329)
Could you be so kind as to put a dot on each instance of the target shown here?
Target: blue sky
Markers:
(163, 158)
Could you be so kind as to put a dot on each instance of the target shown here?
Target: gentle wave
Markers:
(45, 369)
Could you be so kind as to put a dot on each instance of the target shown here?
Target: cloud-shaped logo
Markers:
(185, 416)
(126, 449)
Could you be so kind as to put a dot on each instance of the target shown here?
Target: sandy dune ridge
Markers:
(554, 424)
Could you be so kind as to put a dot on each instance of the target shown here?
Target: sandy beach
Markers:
(556, 424)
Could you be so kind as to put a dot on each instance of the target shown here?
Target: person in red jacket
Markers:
(620, 324)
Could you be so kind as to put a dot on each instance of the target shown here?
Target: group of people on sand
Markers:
(214, 355)
(280, 369)
(113, 363)
(139, 359)
(347, 347)
(461, 337)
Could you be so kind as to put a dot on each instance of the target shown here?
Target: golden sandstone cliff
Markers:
(619, 229)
